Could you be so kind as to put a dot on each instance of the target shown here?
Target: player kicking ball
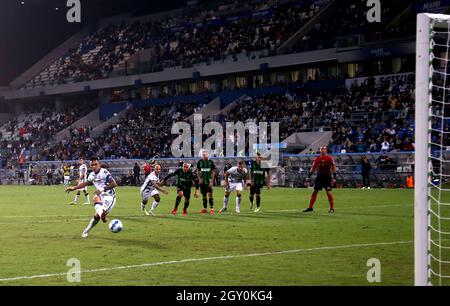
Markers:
(235, 180)
(151, 189)
(105, 195)
(185, 180)
(326, 177)
(82, 178)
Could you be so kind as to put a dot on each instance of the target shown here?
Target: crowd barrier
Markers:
(291, 170)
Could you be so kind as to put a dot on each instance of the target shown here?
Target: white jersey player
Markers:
(82, 178)
(151, 188)
(235, 180)
(105, 195)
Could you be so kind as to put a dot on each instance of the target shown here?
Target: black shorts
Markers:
(323, 181)
(256, 189)
(204, 189)
(186, 192)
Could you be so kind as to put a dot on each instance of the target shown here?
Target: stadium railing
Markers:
(291, 171)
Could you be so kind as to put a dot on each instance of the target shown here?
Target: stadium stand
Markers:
(177, 42)
(349, 26)
(141, 134)
(373, 115)
(363, 117)
(385, 125)
(30, 135)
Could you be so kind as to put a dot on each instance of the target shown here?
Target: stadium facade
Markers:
(205, 61)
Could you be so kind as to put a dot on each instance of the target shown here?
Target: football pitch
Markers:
(278, 246)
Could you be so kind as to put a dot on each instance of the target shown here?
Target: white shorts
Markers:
(108, 202)
(148, 193)
(85, 188)
(234, 187)
(66, 178)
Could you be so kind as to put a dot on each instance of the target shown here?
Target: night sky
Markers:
(31, 30)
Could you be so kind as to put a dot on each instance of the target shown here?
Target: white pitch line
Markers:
(190, 260)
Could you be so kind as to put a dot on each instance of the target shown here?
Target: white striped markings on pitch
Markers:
(190, 260)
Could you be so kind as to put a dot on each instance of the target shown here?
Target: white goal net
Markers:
(432, 164)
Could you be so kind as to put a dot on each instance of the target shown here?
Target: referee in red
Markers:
(326, 178)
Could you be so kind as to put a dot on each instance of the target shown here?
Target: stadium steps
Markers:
(92, 120)
(400, 17)
(324, 12)
(230, 106)
(4, 118)
(51, 58)
(113, 120)
(209, 110)
(306, 140)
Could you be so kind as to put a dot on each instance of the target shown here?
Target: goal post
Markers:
(421, 174)
(432, 163)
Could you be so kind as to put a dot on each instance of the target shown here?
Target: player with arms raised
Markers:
(326, 177)
(185, 180)
(105, 195)
(206, 174)
(82, 178)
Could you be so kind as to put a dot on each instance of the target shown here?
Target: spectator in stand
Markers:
(136, 174)
(49, 174)
(365, 171)
(385, 146)
(356, 124)
(21, 161)
(382, 162)
(127, 180)
(184, 40)
(147, 169)
(21, 176)
(351, 21)
(28, 136)
(409, 146)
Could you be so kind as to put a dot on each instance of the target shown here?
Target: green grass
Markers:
(40, 232)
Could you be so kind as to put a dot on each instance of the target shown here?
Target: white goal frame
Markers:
(425, 24)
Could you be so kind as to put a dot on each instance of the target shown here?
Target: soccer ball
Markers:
(115, 226)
